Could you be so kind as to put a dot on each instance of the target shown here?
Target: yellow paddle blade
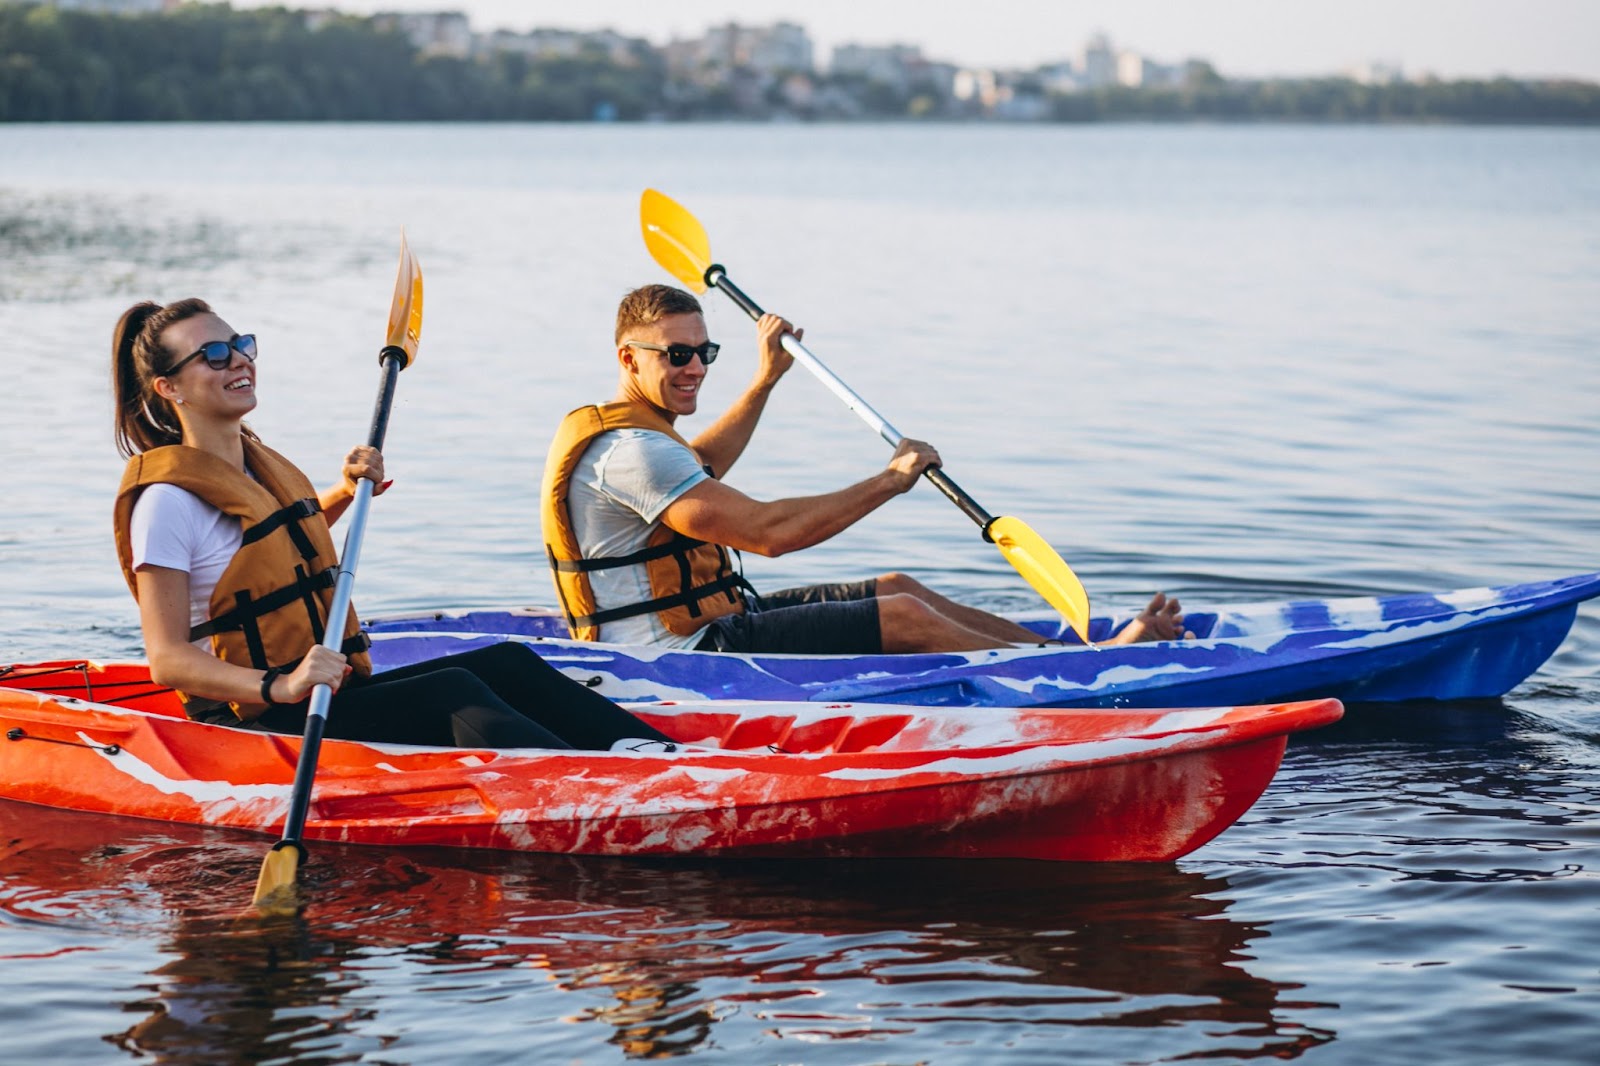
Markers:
(275, 888)
(1044, 569)
(405, 312)
(675, 239)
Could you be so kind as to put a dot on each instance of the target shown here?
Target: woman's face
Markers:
(194, 385)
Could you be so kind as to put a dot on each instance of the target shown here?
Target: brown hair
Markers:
(649, 304)
(145, 419)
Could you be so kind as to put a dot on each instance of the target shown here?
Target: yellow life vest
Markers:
(271, 603)
(691, 582)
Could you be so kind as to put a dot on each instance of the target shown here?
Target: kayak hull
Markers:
(1467, 644)
(846, 781)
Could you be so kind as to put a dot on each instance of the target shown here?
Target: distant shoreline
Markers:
(201, 63)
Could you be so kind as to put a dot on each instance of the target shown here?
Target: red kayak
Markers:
(752, 779)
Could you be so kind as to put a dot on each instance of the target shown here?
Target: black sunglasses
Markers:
(218, 354)
(680, 354)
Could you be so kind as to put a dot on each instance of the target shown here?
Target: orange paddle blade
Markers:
(405, 312)
(1044, 569)
(275, 888)
(675, 239)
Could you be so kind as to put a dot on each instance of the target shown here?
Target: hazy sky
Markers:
(1452, 38)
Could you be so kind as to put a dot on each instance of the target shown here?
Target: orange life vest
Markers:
(271, 603)
(691, 582)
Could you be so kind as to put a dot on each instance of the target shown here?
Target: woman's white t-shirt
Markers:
(174, 528)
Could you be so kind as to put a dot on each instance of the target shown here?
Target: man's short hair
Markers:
(649, 304)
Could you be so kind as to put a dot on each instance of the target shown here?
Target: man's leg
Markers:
(1162, 618)
(913, 618)
(868, 625)
(908, 624)
(999, 631)
(910, 618)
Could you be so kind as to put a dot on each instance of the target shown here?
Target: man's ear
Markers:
(626, 357)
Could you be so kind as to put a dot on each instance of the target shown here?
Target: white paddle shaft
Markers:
(792, 345)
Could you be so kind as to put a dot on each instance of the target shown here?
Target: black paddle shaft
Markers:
(393, 360)
(717, 276)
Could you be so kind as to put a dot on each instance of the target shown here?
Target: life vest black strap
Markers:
(290, 516)
(248, 609)
(248, 621)
(679, 545)
(727, 584)
(313, 606)
(354, 644)
(686, 580)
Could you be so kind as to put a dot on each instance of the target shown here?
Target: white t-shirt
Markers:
(625, 479)
(174, 528)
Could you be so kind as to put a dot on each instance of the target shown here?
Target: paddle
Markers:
(281, 868)
(679, 243)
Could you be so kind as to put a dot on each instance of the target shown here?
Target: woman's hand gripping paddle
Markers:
(679, 243)
(280, 870)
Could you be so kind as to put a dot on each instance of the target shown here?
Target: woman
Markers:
(225, 546)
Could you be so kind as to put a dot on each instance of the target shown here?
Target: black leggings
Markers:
(501, 696)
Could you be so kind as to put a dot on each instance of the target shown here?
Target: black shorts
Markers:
(838, 619)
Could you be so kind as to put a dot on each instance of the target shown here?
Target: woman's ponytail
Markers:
(145, 419)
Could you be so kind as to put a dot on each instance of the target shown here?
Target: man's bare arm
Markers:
(721, 443)
(714, 512)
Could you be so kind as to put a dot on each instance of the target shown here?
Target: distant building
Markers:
(1060, 77)
(1099, 66)
(936, 78)
(768, 51)
(1130, 69)
(440, 33)
(799, 92)
(977, 86)
(926, 86)
(1141, 72)
(564, 44)
(893, 64)
(683, 57)
(1376, 72)
(997, 94)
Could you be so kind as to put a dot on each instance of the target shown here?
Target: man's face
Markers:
(651, 375)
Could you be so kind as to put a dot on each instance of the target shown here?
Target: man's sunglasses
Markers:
(219, 354)
(680, 354)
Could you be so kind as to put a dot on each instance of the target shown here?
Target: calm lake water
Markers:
(1232, 363)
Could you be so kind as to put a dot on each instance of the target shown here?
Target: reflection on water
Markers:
(667, 958)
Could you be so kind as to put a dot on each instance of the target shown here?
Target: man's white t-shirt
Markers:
(174, 528)
(619, 488)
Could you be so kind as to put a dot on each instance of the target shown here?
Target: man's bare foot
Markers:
(1162, 619)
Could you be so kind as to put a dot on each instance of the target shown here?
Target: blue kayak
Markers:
(1471, 643)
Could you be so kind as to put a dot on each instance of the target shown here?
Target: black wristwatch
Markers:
(266, 685)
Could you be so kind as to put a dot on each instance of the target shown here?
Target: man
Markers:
(638, 524)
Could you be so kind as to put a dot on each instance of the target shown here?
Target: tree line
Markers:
(211, 63)
(204, 62)
(1500, 100)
